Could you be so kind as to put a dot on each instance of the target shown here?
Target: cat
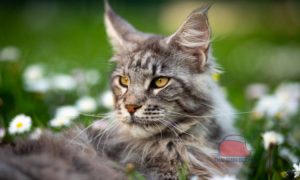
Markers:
(169, 113)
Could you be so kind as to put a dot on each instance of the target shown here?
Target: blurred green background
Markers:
(254, 42)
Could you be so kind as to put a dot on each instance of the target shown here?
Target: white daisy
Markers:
(86, 104)
(288, 91)
(92, 76)
(267, 106)
(19, 124)
(35, 80)
(63, 82)
(67, 112)
(60, 121)
(226, 177)
(64, 116)
(256, 91)
(289, 95)
(107, 100)
(41, 86)
(283, 104)
(36, 134)
(33, 73)
(297, 170)
(10, 53)
(272, 137)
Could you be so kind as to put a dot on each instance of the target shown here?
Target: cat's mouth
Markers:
(134, 120)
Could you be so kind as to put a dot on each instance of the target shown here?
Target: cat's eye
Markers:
(124, 81)
(160, 82)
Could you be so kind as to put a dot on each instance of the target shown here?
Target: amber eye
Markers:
(160, 82)
(124, 81)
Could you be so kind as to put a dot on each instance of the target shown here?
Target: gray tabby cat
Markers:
(169, 113)
(170, 110)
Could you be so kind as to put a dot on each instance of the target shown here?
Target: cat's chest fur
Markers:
(164, 155)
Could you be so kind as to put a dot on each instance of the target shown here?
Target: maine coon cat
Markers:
(169, 113)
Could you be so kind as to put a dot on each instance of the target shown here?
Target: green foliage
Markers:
(132, 174)
(182, 172)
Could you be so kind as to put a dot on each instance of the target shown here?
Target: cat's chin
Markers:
(139, 132)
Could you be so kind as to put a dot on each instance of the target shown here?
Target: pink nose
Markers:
(131, 108)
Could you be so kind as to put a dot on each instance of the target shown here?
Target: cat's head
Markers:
(161, 83)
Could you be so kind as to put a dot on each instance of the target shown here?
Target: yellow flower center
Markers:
(19, 124)
(216, 76)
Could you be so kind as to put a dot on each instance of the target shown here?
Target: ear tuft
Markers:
(106, 6)
(204, 9)
(122, 35)
(194, 34)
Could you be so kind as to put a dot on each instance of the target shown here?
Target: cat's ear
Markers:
(122, 35)
(193, 36)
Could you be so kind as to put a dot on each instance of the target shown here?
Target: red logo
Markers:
(233, 146)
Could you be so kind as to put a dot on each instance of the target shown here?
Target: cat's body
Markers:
(169, 113)
(55, 157)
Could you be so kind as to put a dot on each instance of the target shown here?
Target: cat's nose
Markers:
(131, 108)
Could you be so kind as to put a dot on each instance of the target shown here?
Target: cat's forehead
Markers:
(144, 62)
(144, 58)
(150, 49)
(153, 58)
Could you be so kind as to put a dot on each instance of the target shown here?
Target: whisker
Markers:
(108, 118)
(95, 115)
(171, 127)
(107, 132)
(184, 132)
(82, 131)
(206, 116)
(220, 111)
